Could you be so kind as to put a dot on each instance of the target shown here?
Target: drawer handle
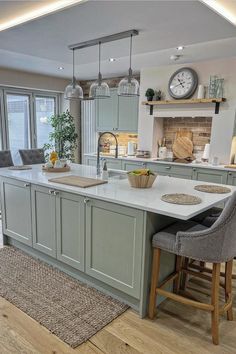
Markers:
(51, 191)
(26, 185)
(86, 200)
(168, 167)
(56, 192)
(230, 173)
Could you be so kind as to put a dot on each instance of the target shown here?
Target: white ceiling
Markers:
(41, 45)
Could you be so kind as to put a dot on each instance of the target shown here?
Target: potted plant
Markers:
(63, 139)
(150, 94)
(158, 95)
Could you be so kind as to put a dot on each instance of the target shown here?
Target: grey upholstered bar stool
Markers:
(32, 156)
(5, 158)
(215, 245)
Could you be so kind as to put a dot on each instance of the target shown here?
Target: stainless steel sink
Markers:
(117, 174)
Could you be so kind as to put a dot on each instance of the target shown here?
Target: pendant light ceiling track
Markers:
(106, 39)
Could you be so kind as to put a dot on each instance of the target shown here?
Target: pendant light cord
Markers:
(73, 65)
(99, 64)
(130, 51)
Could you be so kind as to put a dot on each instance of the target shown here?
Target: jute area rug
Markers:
(71, 310)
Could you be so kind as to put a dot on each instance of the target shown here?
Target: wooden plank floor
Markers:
(177, 329)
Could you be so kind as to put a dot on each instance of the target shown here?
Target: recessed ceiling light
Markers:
(60, 68)
(112, 59)
(180, 47)
(44, 10)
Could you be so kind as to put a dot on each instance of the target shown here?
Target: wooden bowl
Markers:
(141, 181)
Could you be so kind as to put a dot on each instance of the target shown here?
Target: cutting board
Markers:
(184, 133)
(183, 148)
(77, 181)
(230, 166)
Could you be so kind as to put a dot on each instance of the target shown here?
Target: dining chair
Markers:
(5, 158)
(32, 156)
(190, 240)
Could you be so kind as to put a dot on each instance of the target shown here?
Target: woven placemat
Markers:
(212, 189)
(182, 199)
(19, 168)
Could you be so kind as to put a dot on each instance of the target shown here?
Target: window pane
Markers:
(18, 124)
(45, 108)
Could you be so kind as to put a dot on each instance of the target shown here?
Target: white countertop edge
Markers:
(155, 160)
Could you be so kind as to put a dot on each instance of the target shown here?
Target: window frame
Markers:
(32, 94)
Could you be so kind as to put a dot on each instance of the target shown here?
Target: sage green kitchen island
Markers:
(101, 235)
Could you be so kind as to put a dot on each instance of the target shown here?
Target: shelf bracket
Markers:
(150, 109)
(217, 107)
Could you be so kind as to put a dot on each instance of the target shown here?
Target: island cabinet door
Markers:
(16, 210)
(231, 178)
(114, 245)
(70, 229)
(44, 220)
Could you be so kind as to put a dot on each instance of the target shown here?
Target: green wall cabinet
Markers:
(117, 113)
(44, 220)
(128, 113)
(106, 112)
(114, 245)
(210, 175)
(16, 209)
(70, 213)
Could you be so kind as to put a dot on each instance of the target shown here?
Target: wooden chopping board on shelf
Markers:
(77, 181)
(183, 148)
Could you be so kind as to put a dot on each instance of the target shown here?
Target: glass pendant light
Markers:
(129, 86)
(73, 91)
(99, 89)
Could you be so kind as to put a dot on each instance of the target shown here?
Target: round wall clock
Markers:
(183, 83)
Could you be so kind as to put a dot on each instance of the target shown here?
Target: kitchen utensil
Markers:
(131, 148)
(77, 181)
(183, 148)
(201, 91)
(162, 152)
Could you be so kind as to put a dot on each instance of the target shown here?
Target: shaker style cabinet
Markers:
(171, 170)
(70, 213)
(231, 178)
(106, 112)
(16, 210)
(117, 113)
(114, 245)
(43, 218)
(210, 175)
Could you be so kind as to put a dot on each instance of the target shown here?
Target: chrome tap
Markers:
(98, 150)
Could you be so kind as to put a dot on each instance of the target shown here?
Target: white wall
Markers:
(223, 123)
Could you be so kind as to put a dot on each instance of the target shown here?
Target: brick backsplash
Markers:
(200, 126)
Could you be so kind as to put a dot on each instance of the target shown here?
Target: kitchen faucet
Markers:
(98, 150)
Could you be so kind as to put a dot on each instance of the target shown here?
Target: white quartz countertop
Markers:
(119, 191)
(159, 161)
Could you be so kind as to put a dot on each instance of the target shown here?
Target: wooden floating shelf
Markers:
(216, 101)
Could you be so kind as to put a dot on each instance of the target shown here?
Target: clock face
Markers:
(183, 83)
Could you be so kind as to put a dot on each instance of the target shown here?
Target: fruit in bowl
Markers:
(53, 157)
(142, 178)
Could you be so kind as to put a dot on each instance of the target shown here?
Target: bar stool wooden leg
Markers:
(185, 276)
(228, 288)
(154, 281)
(178, 267)
(215, 302)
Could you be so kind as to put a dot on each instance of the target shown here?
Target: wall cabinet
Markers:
(44, 220)
(70, 229)
(210, 175)
(16, 219)
(117, 113)
(106, 112)
(114, 245)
